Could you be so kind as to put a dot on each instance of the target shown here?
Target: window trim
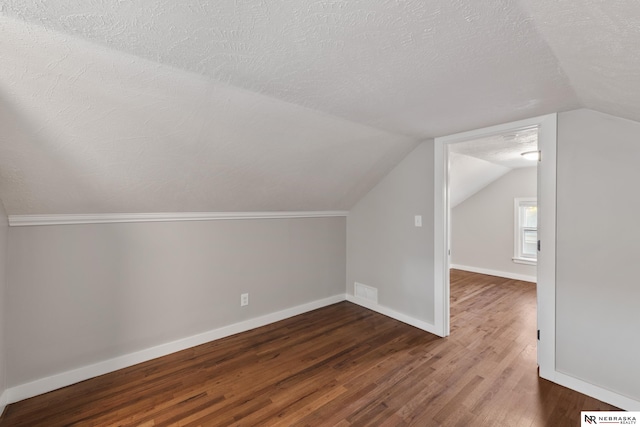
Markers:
(518, 258)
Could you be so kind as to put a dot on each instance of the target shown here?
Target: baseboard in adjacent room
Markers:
(505, 274)
(54, 382)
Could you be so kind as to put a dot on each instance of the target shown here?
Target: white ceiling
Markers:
(468, 175)
(123, 106)
(96, 131)
(504, 150)
(476, 163)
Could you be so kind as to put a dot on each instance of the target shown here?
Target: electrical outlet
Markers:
(244, 300)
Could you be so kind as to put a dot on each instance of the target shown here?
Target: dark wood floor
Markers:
(341, 365)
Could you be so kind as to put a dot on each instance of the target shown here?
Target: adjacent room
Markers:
(493, 204)
(318, 213)
(493, 222)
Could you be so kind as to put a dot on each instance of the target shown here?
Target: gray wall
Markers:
(80, 294)
(4, 231)
(598, 248)
(482, 227)
(384, 248)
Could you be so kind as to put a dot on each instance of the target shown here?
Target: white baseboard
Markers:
(505, 274)
(608, 396)
(420, 324)
(560, 378)
(4, 400)
(44, 385)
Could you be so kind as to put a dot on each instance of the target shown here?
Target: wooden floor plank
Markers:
(341, 365)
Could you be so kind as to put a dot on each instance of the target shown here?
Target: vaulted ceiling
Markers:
(241, 105)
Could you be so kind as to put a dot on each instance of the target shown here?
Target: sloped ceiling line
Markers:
(288, 105)
(129, 135)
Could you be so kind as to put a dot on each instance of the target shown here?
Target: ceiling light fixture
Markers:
(531, 155)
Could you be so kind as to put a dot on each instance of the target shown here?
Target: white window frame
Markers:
(518, 256)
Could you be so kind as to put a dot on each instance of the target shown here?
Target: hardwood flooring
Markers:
(341, 365)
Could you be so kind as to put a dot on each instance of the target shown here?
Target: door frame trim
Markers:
(546, 268)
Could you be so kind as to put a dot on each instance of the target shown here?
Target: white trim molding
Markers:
(524, 261)
(54, 382)
(505, 274)
(4, 401)
(547, 141)
(518, 228)
(386, 311)
(69, 219)
(608, 396)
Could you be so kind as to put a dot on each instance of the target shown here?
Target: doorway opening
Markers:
(493, 204)
(545, 268)
(493, 235)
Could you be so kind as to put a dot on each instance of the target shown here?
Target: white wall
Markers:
(598, 248)
(4, 228)
(482, 227)
(468, 175)
(81, 294)
(384, 248)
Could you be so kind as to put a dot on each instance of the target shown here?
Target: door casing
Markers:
(546, 266)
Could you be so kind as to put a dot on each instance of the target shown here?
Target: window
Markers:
(526, 231)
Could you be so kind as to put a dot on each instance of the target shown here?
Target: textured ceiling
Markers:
(90, 131)
(596, 43)
(413, 66)
(476, 163)
(503, 150)
(122, 106)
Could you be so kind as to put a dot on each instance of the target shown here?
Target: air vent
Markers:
(366, 292)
